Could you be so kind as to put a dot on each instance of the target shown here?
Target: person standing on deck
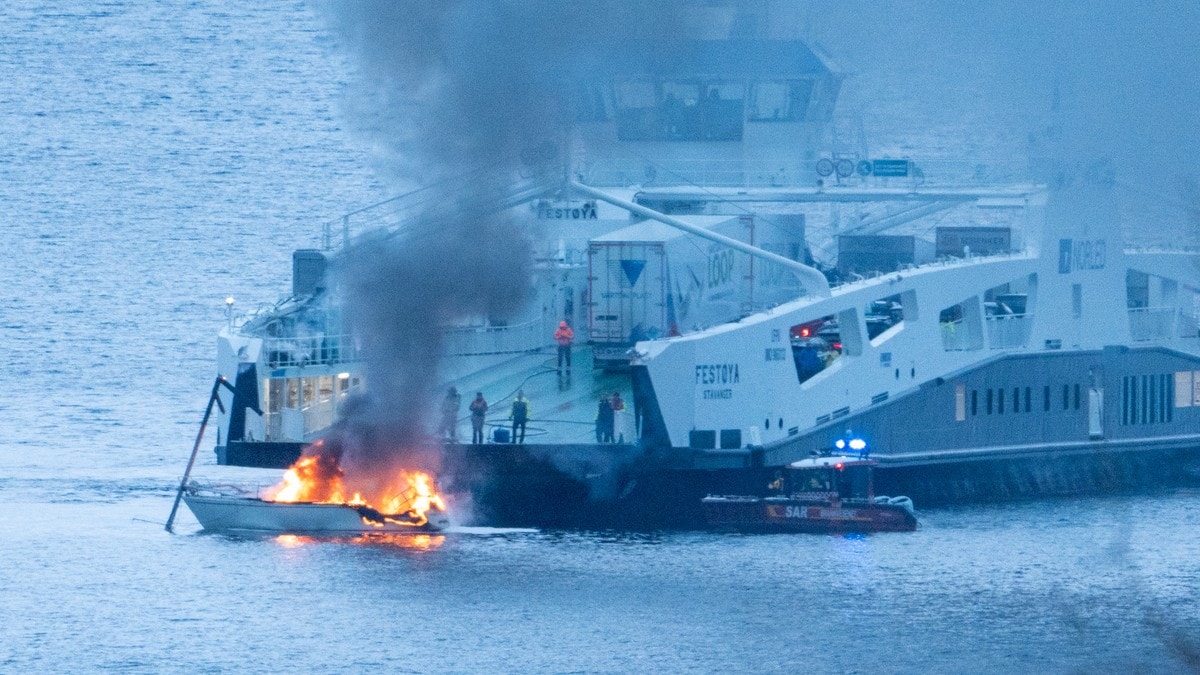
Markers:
(478, 413)
(519, 416)
(619, 426)
(450, 407)
(564, 336)
(604, 421)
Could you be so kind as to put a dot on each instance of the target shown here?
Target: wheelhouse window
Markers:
(589, 103)
(783, 101)
(682, 110)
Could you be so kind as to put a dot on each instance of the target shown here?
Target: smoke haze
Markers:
(450, 88)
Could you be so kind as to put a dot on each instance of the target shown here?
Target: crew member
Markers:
(478, 413)
(604, 421)
(564, 336)
(450, 407)
(519, 415)
(776, 485)
(618, 427)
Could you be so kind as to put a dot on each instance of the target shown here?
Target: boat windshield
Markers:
(853, 482)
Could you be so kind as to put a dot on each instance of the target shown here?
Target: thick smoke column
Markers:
(454, 88)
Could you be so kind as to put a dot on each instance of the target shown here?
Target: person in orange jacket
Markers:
(564, 336)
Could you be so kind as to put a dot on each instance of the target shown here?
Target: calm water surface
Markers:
(157, 157)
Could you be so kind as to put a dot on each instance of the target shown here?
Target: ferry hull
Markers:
(225, 513)
(626, 487)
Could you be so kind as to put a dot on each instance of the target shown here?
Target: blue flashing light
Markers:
(858, 444)
(841, 444)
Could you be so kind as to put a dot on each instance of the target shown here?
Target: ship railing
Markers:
(310, 350)
(1009, 330)
(244, 489)
(737, 173)
(472, 194)
(515, 339)
(956, 336)
(318, 416)
(1154, 323)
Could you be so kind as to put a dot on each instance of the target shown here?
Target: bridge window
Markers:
(785, 101)
(590, 103)
(679, 111)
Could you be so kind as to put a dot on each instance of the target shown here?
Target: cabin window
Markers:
(1077, 397)
(274, 395)
(306, 392)
(780, 101)
(999, 401)
(1066, 396)
(1016, 399)
(1028, 397)
(679, 111)
(989, 401)
(589, 103)
(1046, 398)
(293, 393)
(960, 403)
(974, 402)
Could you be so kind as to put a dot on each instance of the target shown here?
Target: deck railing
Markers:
(308, 351)
(1152, 323)
(1009, 330)
(515, 339)
(955, 337)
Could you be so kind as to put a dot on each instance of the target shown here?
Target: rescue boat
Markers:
(820, 494)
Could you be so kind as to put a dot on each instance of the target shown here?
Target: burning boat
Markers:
(312, 498)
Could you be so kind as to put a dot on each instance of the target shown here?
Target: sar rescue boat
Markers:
(819, 494)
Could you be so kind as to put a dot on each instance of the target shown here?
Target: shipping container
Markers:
(650, 280)
(866, 254)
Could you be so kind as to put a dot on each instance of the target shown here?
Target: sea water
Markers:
(156, 158)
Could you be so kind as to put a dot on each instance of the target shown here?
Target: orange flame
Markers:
(406, 498)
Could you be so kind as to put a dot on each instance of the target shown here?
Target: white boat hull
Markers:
(222, 513)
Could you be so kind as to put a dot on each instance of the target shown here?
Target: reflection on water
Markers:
(415, 541)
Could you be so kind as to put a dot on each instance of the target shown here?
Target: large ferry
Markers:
(757, 288)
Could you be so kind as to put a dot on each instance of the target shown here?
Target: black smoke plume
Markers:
(449, 89)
